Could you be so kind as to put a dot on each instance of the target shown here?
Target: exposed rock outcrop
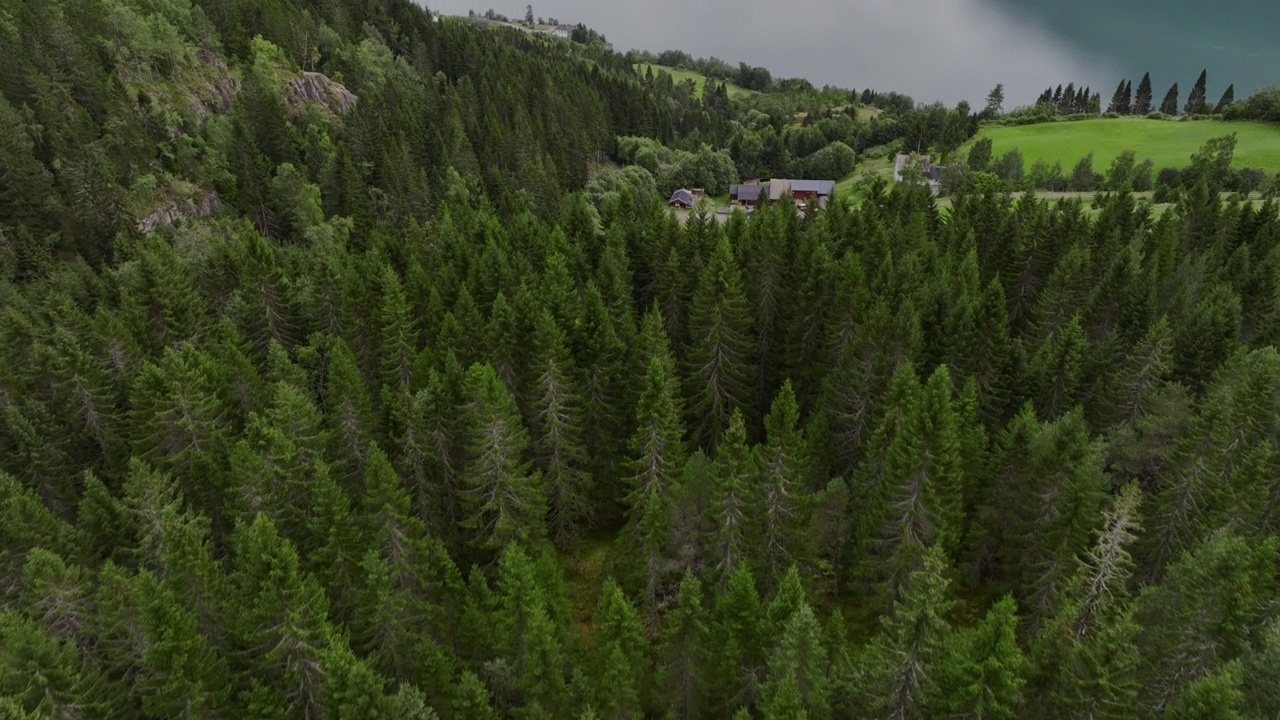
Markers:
(215, 95)
(318, 88)
(178, 210)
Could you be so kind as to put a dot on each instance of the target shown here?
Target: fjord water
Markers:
(948, 49)
(1172, 39)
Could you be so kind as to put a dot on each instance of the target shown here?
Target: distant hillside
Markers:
(699, 80)
(1167, 143)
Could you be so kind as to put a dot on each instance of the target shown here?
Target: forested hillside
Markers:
(327, 391)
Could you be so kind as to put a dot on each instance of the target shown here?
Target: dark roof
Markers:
(748, 193)
(682, 195)
(818, 187)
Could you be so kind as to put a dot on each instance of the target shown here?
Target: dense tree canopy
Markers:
(377, 400)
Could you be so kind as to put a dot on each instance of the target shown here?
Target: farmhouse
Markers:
(681, 198)
(560, 31)
(932, 173)
(748, 194)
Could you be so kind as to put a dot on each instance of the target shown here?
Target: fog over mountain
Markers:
(930, 49)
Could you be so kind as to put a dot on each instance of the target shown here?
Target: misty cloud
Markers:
(930, 49)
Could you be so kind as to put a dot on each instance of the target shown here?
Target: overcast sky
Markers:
(930, 49)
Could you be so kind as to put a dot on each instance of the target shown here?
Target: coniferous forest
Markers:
(327, 391)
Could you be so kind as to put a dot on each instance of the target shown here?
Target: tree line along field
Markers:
(1167, 143)
(699, 80)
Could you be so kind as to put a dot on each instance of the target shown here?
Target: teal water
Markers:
(1238, 41)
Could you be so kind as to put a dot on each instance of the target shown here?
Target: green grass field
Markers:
(1167, 143)
(698, 79)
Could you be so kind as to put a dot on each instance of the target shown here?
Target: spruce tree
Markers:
(504, 500)
(1169, 106)
(621, 655)
(918, 478)
(987, 671)
(1228, 97)
(722, 356)
(1121, 99)
(734, 502)
(737, 643)
(903, 666)
(783, 461)
(657, 449)
(559, 448)
(799, 659)
(1196, 100)
(1210, 602)
(1084, 658)
(280, 628)
(1142, 100)
(683, 652)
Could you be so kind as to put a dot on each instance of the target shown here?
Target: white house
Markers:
(561, 31)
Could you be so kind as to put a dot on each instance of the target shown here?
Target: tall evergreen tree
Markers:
(722, 355)
(1228, 97)
(683, 652)
(559, 448)
(1143, 98)
(1169, 106)
(1122, 99)
(657, 447)
(735, 500)
(1196, 99)
(783, 461)
(505, 500)
(902, 668)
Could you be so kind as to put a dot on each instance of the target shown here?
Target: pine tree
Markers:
(559, 448)
(1203, 612)
(683, 652)
(721, 358)
(657, 447)
(1142, 100)
(985, 677)
(1169, 106)
(799, 660)
(504, 500)
(737, 642)
(1228, 97)
(621, 655)
(1084, 657)
(903, 666)
(734, 503)
(1196, 100)
(280, 629)
(784, 464)
(1121, 99)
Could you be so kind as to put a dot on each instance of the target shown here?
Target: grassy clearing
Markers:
(585, 569)
(882, 167)
(699, 80)
(866, 112)
(1167, 143)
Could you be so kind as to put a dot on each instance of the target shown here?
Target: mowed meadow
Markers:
(1168, 143)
